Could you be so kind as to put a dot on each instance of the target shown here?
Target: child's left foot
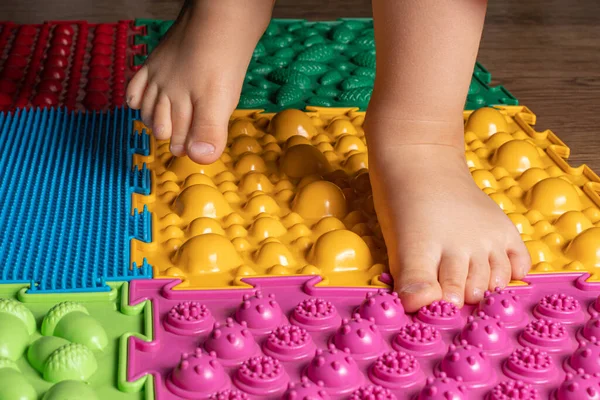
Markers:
(446, 239)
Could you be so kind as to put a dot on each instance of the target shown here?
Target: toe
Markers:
(136, 88)
(148, 105)
(162, 127)
(499, 270)
(416, 282)
(181, 113)
(478, 279)
(207, 137)
(453, 274)
(520, 260)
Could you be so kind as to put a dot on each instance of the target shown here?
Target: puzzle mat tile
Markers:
(331, 64)
(69, 345)
(69, 63)
(354, 343)
(291, 195)
(66, 187)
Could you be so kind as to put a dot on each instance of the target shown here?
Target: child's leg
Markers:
(192, 81)
(445, 237)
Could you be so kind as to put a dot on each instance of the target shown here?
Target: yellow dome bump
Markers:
(497, 140)
(503, 201)
(266, 227)
(233, 219)
(261, 204)
(304, 160)
(340, 127)
(585, 248)
(172, 231)
(357, 162)
(302, 243)
(484, 179)
(291, 122)
(296, 140)
(201, 201)
(327, 224)
(172, 245)
(311, 270)
(242, 127)
(245, 270)
(250, 162)
(517, 156)
(473, 162)
(271, 254)
(245, 144)
(592, 213)
(202, 226)
(349, 143)
(198, 179)
(554, 239)
(486, 121)
(522, 223)
(539, 251)
(532, 176)
(174, 272)
(240, 244)
(553, 197)
(184, 166)
(208, 253)
(236, 231)
(299, 230)
(320, 199)
(255, 181)
(572, 223)
(291, 219)
(339, 251)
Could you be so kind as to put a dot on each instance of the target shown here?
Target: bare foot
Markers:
(446, 239)
(192, 81)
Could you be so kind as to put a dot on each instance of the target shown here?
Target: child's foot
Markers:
(446, 239)
(192, 81)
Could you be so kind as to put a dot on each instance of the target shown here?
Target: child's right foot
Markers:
(192, 81)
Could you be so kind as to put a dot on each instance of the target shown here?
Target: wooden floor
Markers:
(546, 52)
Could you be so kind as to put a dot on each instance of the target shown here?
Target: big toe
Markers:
(416, 283)
(207, 138)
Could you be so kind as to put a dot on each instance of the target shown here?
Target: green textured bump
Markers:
(72, 321)
(73, 361)
(70, 390)
(42, 349)
(14, 336)
(18, 310)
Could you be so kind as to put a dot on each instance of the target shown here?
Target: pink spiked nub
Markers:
(560, 307)
(514, 390)
(506, 305)
(360, 336)
(396, 370)
(231, 342)
(199, 373)
(385, 309)
(441, 314)
(289, 342)
(262, 375)
(530, 365)
(592, 326)
(579, 386)
(229, 394)
(189, 318)
(489, 332)
(315, 314)
(259, 312)
(419, 339)
(336, 370)
(468, 362)
(586, 357)
(371, 392)
(547, 334)
(443, 388)
(306, 390)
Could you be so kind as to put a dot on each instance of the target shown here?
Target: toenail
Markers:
(176, 149)
(129, 98)
(524, 270)
(477, 294)
(453, 298)
(413, 288)
(159, 129)
(499, 282)
(202, 148)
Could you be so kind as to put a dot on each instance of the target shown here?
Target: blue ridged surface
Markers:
(66, 183)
